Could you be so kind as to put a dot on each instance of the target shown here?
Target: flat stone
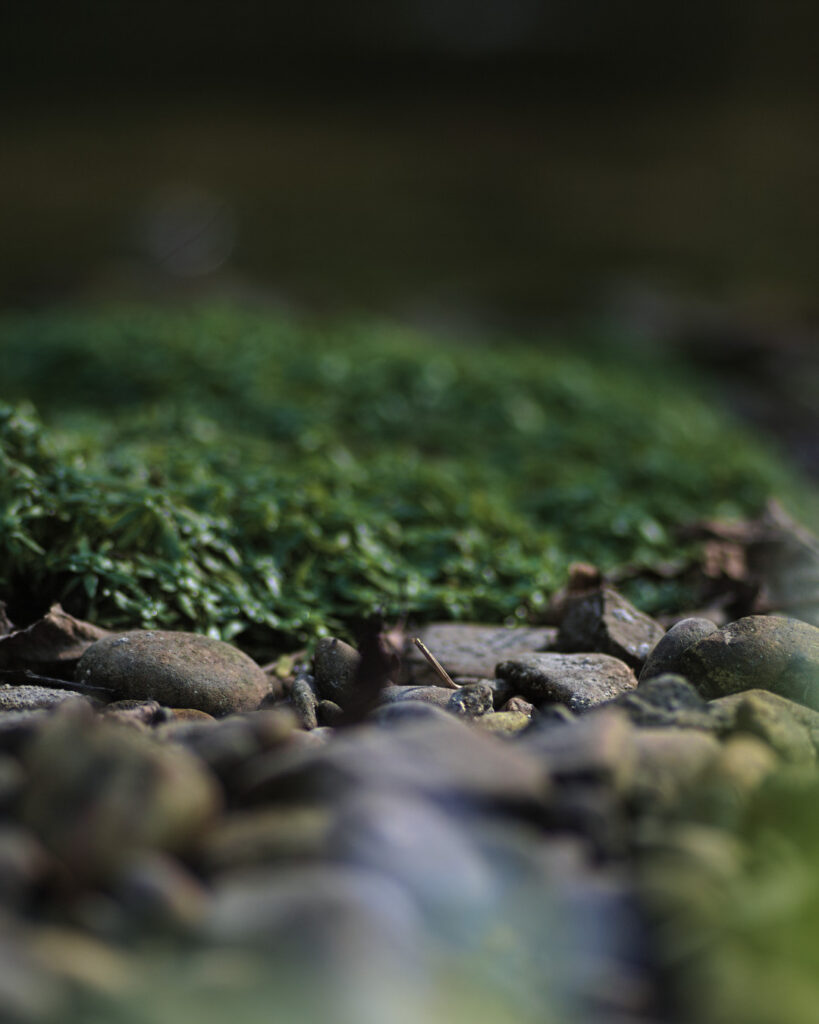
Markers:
(184, 670)
(469, 649)
(33, 698)
(580, 681)
(665, 657)
(604, 621)
(757, 652)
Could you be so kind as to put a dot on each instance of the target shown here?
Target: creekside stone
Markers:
(670, 761)
(757, 652)
(469, 649)
(437, 695)
(665, 657)
(727, 708)
(595, 748)
(777, 727)
(184, 670)
(580, 681)
(604, 621)
(335, 668)
(504, 723)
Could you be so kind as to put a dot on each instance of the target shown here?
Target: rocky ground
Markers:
(494, 824)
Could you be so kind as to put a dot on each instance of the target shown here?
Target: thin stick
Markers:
(438, 668)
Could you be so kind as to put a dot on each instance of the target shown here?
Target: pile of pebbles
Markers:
(184, 833)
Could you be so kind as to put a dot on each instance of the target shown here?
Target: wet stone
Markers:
(580, 681)
(335, 667)
(605, 622)
(757, 652)
(471, 701)
(466, 649)
(183, 670)
(665, 657)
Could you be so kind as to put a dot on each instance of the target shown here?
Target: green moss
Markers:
(243, 474)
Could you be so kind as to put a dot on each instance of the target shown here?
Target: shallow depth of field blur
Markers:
(312, 311)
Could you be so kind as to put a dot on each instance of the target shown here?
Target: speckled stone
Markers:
(183, 670)
(581, 681)
(32, 698)
(469, 649)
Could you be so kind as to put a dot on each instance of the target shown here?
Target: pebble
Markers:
(184, 670)
(758, 652)
(604, 621)
(304, 701)
(580, 681)
(471, 701)
(437, 695)
(469, 649)
(520, 705)
(665, 657)
(504, 723)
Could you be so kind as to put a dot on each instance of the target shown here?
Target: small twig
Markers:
(438, 668)
(25, 677)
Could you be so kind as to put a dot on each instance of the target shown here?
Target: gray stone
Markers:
(467, 649)
(32, 698)
(757, 652)
(605, 622)
(225, 744)
(138, 712)
(471, 701)
(329, 713)
(580, 681)
(669, 700)
(184, 670)
(403, 711)
(304, 701)
(335, 666)
(665, 657)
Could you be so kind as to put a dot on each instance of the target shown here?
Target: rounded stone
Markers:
(665, 656)
(183, 670)
(765, 652)
(335, 667)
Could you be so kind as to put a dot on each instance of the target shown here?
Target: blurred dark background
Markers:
(477, 166)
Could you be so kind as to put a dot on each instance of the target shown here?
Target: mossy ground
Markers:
(260, 478)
